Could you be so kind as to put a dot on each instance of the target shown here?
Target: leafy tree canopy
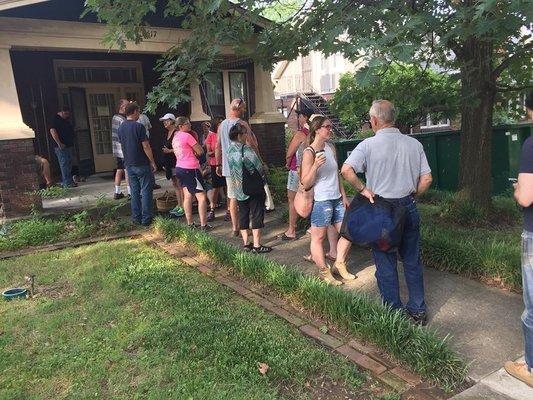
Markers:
(379, 31)
(416, 92)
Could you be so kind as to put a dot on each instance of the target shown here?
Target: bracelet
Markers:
(363, 188)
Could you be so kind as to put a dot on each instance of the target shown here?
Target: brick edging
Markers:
(410, 385)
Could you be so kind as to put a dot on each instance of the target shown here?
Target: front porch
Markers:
(44, 66)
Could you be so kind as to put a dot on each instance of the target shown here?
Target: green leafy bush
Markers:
(419, 347)
(32, 232)
(490, 255)
(277, 181)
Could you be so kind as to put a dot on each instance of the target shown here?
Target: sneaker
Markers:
(210, 216)
(419, 318)
(519, 371)
(118, 196)
(156, 186)
(227, 217)
(206, 227)
(177, 212)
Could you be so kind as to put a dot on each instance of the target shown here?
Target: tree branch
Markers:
(507, 88)
(505, 63)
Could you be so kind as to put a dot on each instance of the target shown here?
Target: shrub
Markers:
(419, 347)
(490, 255)
(33, 232)
(277, 181)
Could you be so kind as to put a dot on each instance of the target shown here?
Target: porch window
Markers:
(213, 90)
(237, 86)
(68, 74)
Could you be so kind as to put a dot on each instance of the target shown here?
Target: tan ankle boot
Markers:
(340, 268)
(519, 371)
(328, 277)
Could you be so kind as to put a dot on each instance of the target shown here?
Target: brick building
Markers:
(50, 58)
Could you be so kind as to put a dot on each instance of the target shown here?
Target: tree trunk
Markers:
(477, 103)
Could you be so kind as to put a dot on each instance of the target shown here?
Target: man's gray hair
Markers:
(384, 111)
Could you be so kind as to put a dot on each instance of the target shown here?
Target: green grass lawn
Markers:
(122, 320)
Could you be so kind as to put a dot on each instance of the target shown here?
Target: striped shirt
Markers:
(117, 120)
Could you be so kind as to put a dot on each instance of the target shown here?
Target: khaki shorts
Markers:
(230, 187)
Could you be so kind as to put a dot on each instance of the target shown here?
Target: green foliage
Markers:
(40, 230)
(452, 208)
(54, 192)
(122, 320)
(282, 10)
(418, 347)
(415, 92)
(33, 232)
(486, 254)
(277, 182)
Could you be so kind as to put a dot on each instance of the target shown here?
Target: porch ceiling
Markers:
(8, 4)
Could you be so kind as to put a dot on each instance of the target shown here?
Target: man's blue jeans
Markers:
(64, 157)
(527, 285)
(386, 264)
(140, 180)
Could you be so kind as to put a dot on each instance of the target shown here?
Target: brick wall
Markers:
(18, 177)
(271, 138)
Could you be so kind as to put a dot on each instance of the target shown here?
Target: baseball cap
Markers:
(168, 116)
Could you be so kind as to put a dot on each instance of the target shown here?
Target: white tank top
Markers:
(327, 178)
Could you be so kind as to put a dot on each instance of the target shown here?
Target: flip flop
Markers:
(286, 238)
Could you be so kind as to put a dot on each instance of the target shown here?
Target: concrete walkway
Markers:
(484, 322)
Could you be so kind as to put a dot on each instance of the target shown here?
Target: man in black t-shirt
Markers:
(139, 163)
(63, 134)
(524, 196)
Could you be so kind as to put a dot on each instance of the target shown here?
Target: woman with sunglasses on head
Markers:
(186, 148)
(321, 172)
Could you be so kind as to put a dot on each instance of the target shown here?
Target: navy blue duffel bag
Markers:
(378, 226)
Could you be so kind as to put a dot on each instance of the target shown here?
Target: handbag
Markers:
(252, 181)
(303, 201)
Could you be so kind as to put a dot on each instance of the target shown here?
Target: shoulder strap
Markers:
(311, 150)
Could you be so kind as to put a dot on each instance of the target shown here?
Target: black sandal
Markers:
(248, 247)
(261, 249)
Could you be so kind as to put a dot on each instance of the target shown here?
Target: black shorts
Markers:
(253, 208)
(120, 163)
(217, 181)
(191, 179)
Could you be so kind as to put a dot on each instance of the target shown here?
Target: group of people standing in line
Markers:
(395, 167)
(200, 168)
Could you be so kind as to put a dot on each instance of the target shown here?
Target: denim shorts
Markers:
(293, 181)
(327, 212)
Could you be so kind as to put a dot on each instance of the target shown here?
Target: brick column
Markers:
(268, 123)
(18, 177)
(18, 173)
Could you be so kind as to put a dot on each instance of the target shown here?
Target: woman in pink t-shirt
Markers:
(186, 148)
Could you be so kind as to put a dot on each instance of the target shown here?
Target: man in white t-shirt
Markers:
(237, 111)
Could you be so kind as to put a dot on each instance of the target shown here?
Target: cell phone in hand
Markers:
(320, 153)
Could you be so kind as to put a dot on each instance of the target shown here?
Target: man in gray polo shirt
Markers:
(396, 169)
